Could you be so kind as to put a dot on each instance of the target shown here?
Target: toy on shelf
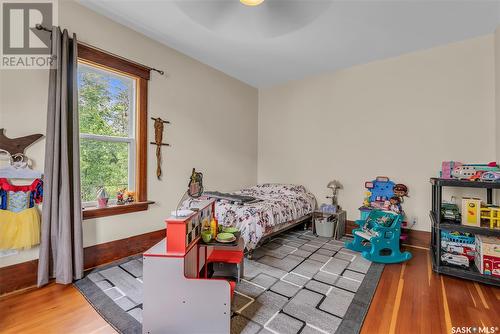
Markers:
(455, 259)
(471, 172)
(458, 248)
(447, 168)
(487, 257)
(474, 212)
(491, 215)
(451, 212)
(471, 212)
(382, 230)
(458, 243)
(491, 177)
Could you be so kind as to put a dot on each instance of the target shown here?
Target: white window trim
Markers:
(131, 159)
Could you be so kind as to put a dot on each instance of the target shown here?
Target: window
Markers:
(112, 95)
(106, 102)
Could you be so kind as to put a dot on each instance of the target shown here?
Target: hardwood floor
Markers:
(52, 309)
(410, 298)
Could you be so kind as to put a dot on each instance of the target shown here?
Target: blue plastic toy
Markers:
(458, 237)
(381, 189)
(377, 238)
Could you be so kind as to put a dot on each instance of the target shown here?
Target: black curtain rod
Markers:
(40, 27)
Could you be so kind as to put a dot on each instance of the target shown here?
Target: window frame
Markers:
(130, 138)
(106, 61)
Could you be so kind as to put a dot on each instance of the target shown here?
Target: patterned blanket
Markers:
(280, 204)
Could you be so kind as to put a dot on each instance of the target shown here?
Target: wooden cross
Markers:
(17, 145)
(159, 143)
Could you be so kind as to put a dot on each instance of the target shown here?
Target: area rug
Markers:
(296, 283)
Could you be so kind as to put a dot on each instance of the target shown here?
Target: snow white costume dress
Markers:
(19, 217)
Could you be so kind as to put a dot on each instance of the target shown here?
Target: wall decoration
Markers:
(159, 124)
(17, 145)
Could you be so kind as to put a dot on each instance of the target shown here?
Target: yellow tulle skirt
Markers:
(19, 230)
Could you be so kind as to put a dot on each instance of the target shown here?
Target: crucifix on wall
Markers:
(159, 125)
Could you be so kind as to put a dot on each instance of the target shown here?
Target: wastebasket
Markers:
(324, 227)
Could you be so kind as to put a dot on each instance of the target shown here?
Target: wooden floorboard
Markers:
(52, 309)
(429, 303)
(410, 298)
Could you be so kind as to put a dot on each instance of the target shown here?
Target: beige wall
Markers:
(214, 122)
(398, 117)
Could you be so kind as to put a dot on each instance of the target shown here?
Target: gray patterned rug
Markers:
(296, 283)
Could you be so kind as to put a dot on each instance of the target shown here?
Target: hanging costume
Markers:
(19, 218)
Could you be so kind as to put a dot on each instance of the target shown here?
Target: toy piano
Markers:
(176, 299)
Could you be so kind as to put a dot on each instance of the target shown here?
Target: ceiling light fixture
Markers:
(251, 2)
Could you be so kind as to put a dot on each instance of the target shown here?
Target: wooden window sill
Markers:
(113, 210)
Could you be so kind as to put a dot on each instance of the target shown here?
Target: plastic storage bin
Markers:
(324, 228)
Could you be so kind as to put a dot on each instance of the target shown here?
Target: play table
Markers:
(176, 298)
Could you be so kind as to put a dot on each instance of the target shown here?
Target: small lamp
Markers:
(335, 186)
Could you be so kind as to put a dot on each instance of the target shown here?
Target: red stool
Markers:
(227, 256)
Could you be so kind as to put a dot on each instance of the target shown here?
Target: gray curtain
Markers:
(61, 247)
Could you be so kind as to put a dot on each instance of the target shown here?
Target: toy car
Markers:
(457, 249)
(477, 176)
(473, 172)
(450, 211)
(490, 176)
(457, 260)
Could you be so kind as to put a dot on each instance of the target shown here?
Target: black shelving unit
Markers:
(439, 223)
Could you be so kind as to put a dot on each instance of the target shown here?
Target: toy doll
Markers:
(401, 191)
(395, 205)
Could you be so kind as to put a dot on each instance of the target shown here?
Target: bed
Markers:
(279, 207)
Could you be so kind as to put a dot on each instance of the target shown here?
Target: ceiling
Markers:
(283, 40)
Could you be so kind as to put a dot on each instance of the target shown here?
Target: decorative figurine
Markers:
(120, 197)
(102, 197)
(195, 187)
(129, 197)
